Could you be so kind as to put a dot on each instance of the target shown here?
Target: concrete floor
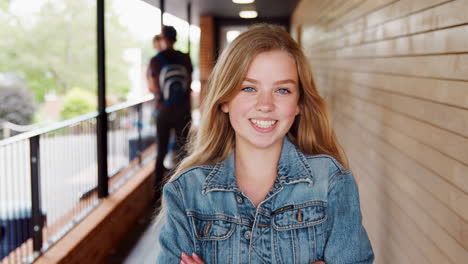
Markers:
(139, 246)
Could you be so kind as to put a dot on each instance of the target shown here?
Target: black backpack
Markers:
(173, 82)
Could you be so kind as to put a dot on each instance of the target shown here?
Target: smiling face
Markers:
(263, 110)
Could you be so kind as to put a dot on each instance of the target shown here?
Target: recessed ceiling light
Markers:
(248, 14)
(243, 1)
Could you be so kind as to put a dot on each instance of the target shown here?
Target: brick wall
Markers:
(207, 50)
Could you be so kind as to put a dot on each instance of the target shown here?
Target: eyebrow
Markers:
(277, 82)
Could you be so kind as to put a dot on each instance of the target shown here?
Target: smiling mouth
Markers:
(263, 123)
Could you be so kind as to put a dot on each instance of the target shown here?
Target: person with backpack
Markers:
(158, 45)
(171, 72)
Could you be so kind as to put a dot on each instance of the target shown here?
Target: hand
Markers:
(194, 259)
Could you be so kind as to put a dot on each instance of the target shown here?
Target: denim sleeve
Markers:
(175, 236)
(348, 241)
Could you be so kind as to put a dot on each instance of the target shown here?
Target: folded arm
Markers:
(175, 236)
(348, 241)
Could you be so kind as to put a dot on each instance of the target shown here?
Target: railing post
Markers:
(140, 127)
(36, 214)
(102, 123)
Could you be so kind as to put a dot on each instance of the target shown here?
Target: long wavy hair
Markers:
(311, 131)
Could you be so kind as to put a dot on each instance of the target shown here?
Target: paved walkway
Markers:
(139, 247)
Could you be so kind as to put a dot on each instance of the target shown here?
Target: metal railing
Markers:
(48, 177)
(11, 129)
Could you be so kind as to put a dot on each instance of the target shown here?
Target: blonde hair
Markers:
(214, 140)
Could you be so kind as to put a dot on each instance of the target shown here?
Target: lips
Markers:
(263, 125)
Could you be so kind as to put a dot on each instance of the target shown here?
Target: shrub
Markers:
(16, 102)
(78, 102)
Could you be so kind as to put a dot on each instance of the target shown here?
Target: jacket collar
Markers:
(292, 168)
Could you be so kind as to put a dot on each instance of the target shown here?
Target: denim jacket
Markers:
(311, 213)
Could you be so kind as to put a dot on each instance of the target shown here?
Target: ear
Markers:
(298, 110)
(225, 108)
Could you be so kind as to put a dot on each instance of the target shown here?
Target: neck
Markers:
(256, 167)
(256, 170)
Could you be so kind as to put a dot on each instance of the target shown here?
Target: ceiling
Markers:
(267, 9)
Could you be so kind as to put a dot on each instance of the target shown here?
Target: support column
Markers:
(103, 188)
(207, 51)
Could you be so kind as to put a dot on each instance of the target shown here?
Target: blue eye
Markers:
(283, 91)
(248, 89)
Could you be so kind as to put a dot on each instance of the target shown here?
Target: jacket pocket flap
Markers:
(298, 216)
(212, 228)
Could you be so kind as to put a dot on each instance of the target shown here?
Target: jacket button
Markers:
(239, 199)
(247, 234)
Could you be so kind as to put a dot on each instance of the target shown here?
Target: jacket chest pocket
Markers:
(299, 232)
(213, 234)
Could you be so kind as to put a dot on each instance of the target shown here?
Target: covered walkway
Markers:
(394, 75)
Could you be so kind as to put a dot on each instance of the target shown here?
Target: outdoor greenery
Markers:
(16, 102)
(55, 49)
(78, 102)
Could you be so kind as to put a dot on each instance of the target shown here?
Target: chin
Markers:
(265, 143)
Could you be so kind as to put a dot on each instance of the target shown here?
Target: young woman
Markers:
(265, 181)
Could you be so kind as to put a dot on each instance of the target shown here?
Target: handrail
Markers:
(123, 105)
(8, 127)
(43, 130)
(73, 121)
(19, 128)
(44, 148)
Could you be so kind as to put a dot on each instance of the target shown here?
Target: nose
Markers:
(265, 102)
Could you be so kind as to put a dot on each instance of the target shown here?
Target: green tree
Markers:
(55, 49)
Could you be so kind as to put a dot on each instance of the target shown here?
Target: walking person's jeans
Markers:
(167, 119)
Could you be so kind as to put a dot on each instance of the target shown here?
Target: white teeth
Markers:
(263, 123)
